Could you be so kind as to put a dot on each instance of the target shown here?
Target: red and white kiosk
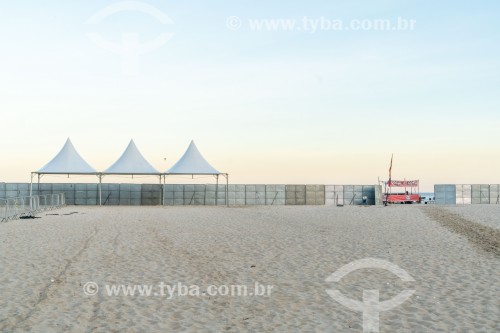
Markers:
(394, 193)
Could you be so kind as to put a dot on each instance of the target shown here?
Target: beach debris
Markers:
(27, 217)
(55, 214)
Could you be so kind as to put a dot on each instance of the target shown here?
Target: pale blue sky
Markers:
(293, 107)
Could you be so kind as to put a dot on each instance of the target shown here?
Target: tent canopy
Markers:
(193, 163)
(131, 163)
(67, 161)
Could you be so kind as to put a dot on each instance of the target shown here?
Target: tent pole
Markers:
(31, 185)
(38, 186)
(227, 190)
(161, 194)
(100, 189)
(217, 190)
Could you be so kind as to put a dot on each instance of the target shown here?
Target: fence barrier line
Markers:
(201, 194)
(14, 208)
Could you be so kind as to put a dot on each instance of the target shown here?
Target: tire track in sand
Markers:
(482, 237)
(49, 289)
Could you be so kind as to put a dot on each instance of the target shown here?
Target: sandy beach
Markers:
(47, 263)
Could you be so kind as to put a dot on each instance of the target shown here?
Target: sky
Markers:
(276, 104)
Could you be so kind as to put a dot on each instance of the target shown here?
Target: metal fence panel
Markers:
(495, 194)
(445, 194)
(13, 208)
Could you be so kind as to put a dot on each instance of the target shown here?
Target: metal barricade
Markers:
(14, 208)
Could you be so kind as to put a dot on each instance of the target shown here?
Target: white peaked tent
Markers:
(193, 163)
(131, 163)
(67, 162)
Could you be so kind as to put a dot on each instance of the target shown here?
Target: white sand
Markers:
(44, 264)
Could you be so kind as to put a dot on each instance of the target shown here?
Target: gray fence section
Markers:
(495, 194)
(467, 194)
(275, 195)
(76, 194)
(194, 195)
(182, 195)
(151, 194)
(334, 195)
(463, 194)
(352, 195)
(112, 194)
(128, 194)
(480, 194)
(295, 194)
(379, 195)
(202, 194)
(210, 195)
(255, 195)
(11, 190)
(305, 194)
(445, 194)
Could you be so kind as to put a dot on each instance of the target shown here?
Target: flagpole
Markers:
(388, 185)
